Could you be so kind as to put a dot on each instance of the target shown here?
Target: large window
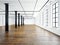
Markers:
(46, 17)
(55, 15)
(42, 18)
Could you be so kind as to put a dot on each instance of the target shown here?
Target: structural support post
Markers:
(6, 17)
(21, 20)
(18, 19)
(15, 19)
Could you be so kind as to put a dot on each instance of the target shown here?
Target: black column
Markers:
(6, 17)
(18, 19)
(15, 19)
(21, 20)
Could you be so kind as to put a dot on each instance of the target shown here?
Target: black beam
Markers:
(15, 19)
(21, 11)
(43, 5)
(14, 14)
(18, 19)
(6, 17)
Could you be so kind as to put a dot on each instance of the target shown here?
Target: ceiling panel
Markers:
(40, 4)
(23, 5)
(28, 4)
(8, 1)
(2, 6)
(13, 5)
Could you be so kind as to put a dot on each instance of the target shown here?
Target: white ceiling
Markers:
(23, 5)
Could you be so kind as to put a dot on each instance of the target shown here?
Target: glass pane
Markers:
(56, 19)
(53, 20)
(53, 6)
(56, 14)
(56, 24)
(53, 15)
(56, 9)
(56, 4)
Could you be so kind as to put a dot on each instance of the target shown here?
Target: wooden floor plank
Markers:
(28, 35)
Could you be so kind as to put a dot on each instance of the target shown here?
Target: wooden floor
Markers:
(28, 35)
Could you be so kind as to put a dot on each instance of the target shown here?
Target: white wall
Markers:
(40, 18)
(12, 20)
(29, 21)
(2, 20)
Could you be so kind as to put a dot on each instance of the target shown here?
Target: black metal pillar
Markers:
(18, 19)
(6, 17)
(15, 19)
(21, 20)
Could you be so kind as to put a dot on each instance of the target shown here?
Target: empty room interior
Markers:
(29, 22)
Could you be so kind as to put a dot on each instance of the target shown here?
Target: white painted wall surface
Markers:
(12, 20)
(40, 20)
(29, 21)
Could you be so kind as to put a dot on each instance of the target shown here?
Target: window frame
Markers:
(55, 13)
